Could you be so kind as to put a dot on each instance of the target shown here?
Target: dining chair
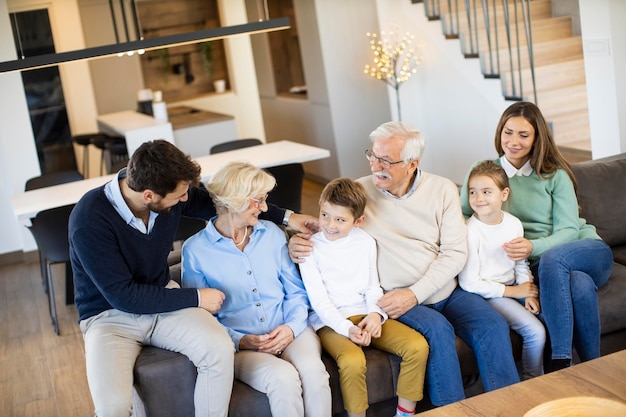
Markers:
(54, 178)
(48, 180)
(50, 230)
(289, 177)
(231, 145)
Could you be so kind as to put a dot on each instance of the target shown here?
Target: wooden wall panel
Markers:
(179, 72)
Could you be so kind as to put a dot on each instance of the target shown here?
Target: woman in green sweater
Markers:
(566, 254)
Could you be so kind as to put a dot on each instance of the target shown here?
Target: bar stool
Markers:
(84, 140)
(118, 155)
(101, 141)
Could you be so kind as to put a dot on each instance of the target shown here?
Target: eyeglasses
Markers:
(259, 201)
(370, 156)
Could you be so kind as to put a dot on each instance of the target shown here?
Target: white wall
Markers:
(604, 47)
(18, 156)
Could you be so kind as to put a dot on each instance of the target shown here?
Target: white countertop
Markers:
(127, 120)
(136, 128)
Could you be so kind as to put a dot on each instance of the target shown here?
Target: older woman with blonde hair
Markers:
(265, 305)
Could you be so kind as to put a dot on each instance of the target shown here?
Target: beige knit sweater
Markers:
(421, 239)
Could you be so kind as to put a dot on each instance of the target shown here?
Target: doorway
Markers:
(44, 93)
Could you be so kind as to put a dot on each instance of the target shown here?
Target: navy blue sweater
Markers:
(116, 266)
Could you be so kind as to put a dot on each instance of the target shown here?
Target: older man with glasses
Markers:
(416, 219)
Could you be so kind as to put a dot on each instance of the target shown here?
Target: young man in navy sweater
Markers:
(120, 236)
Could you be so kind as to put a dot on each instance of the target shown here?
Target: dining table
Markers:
(26, 205)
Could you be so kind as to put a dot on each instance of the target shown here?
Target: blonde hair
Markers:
(232, 186)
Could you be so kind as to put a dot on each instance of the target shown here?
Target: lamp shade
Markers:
(40, 61)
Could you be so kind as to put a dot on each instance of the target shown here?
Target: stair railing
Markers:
(482, 22)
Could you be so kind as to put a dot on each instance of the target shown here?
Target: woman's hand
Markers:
(274, 343)
(300, 246)
(372, 324)
(211, 299)
(518, 249)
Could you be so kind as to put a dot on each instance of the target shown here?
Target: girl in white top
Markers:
(507, 285)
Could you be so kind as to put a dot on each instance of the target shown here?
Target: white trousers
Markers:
(296, 384)
(113, 340)
(527, 325)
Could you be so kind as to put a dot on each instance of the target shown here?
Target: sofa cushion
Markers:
(152, 368)
(619, 254)
(611, 301)
(601, 185)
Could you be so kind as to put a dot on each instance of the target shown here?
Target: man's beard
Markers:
(159, 210)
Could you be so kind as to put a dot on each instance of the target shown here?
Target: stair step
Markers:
(561, 101)
(548, 77)
(544, 53)
(543, 30)
(570, 127)
(537, 8)
(573, 153)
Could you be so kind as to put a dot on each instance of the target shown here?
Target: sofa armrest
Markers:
(601, 185)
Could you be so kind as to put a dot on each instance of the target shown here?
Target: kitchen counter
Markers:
(182, 117)
(136, 128)
(195, 130)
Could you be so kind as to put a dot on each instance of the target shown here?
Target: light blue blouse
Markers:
(262, 285)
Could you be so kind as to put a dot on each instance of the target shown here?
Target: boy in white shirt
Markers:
(341, 279)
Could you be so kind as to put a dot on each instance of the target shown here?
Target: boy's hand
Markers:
(372, 324)
(532, 305)
(359, 336)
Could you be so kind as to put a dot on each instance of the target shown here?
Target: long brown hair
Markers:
(545, 157)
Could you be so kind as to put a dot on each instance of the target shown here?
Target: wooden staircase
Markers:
(536, 57)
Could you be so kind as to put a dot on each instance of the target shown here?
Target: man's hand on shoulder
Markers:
(211, 299)
(397, 302)
(303, 223)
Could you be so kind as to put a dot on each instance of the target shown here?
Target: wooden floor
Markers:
(42, 374)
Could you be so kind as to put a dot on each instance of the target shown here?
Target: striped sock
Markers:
(402, 412)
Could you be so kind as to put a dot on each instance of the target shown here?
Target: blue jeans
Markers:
(527, 325)
(480, 326)
(569, 276)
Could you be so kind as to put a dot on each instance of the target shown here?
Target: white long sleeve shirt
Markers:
(488, 269)
(341, 280)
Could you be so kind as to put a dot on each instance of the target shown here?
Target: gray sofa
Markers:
(165, 380)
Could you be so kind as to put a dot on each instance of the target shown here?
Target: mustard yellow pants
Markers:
(395, 338)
